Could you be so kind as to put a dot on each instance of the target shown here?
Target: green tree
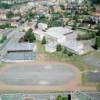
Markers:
(58, 48)
(95, 1)
(42, 19)
(97, 40)
(3, 39)
(86, 36)
(10, 14)
(65, 51)
(70, 54)
(74, 26)
(62, 7)
(87, 7)
(5, 5)
(44, 40)
(29, 36)
(98, 27)
(30, 16)
(61, 98)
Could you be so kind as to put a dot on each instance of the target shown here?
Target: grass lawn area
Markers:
(98, 87)
(40, 47)
(82, 31)
(83, 78)
(1, 64)
(64, 58)
(97, 54)
(60, 57)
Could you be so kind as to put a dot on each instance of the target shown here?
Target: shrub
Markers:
(61, 97)
(29, 36)
(3, 39)
(64, 51)
(86, 36)
(58, 48)
(44, 40)
(9, 14)
(97, 42)
(70, 54)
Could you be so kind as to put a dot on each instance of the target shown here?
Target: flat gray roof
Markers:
(21, 47)
(20, 56)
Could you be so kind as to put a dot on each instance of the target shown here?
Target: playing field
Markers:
(28, 76)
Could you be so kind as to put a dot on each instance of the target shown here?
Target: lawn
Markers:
(97, 54)
(60, 57)
(40, 47)
(1, 64)
(98, 87)
(64, 58)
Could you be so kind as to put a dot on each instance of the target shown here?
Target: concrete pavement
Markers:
(13, 38)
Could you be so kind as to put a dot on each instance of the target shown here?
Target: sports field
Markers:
(30, 76)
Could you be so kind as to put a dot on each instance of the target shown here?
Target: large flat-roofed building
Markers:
(20, 52)
(66, 37)
(58, 34)
(74, 46)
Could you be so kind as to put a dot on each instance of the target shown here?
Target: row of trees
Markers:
(7, 25)
(86, 36)
(30, 37)
(64, 50)
(3, 39)
(96, 1)
(30, 16)
(5, 5)
(10, 14)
